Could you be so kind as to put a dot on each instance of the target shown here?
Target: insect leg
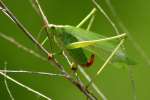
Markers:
(91, 22)
(106, 61)
(86, 18)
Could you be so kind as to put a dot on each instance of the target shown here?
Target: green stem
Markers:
(24, 86)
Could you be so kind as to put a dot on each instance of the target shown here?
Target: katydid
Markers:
(72, 40)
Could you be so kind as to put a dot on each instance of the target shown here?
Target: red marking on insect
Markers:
(90, 61)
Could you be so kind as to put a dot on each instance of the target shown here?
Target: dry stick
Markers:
(78, 79)
(41, 73)
(93, 84)
(31, 72)
(24, 86)
(135, 44)
(78, 83)
(30, 51)
(6, 84)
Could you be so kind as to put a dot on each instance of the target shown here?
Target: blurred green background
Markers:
(113, 82)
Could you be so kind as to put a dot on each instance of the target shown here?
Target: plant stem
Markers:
(6, 84)
(93, 84)
(5, 10)
(31, 72)
(24, 86)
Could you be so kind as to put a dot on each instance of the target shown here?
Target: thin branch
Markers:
(29, 35)
(20, 25)
(53, 60)
(82, 88)
(31, 72)
(24, 86)
(87, 77)
(6, 84)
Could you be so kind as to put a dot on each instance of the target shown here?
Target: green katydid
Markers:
(65, 37)
(72, 40)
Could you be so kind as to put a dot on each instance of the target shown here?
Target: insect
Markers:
(72, 41)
